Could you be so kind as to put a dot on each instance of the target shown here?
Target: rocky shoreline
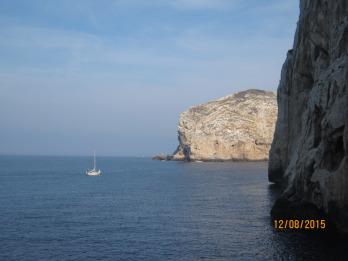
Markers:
(171, 158)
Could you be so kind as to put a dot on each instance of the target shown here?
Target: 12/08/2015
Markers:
(307, 224)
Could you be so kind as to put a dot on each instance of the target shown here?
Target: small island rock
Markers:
(236, 127)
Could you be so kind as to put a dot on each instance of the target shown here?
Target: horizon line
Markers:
(74, 155)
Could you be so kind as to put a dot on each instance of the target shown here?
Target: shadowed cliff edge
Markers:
(237, 127)
(308, 157)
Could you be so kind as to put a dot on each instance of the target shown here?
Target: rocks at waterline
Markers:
(162, 157)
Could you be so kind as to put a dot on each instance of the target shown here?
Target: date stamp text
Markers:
(299, 224)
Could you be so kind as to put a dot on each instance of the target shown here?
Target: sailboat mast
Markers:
(94, 161)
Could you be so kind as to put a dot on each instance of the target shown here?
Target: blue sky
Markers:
(114, 75)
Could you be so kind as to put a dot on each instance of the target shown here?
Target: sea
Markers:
(140, 209)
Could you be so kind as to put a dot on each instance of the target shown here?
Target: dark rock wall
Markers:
(309, 151)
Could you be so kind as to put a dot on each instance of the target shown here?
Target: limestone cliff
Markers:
(235, 127)
(309, 151)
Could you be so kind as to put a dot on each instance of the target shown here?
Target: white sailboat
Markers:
(94, 171)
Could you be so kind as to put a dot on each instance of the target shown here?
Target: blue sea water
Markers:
(141, 209)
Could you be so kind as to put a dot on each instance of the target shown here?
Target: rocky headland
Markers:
(238, 127)
(309, 154)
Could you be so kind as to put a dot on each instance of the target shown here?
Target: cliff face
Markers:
(236, 127)
(309, 150)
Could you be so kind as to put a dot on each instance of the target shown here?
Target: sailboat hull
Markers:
(93, 172)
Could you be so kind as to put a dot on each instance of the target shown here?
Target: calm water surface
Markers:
(141, 209)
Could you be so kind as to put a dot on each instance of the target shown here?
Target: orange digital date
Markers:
(307, 224)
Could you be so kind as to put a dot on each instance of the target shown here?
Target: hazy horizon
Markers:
(114, 76)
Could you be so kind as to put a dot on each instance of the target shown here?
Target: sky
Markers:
(114, 75)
